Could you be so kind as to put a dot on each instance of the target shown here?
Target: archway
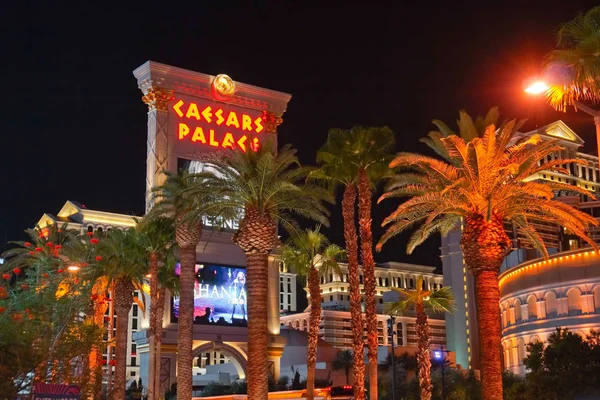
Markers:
(532, 307)
(551, 305)
(237, 357)
(574, 301)
(597, 299)
(517, 307)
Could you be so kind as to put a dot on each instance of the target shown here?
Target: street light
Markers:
(440, 356)
(536, 86)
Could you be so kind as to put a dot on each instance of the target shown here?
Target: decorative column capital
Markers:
(158, 98)
(271, 121)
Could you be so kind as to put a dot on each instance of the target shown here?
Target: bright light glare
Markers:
(73, 268)
(537, 87)
(437, 354)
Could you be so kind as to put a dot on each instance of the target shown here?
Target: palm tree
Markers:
(576, 61)
(483, 184)
(421, 301)
(335, 170)
(345, 361)
(267, 188)
(173, 200)
(311, 255)
(157, 239)
(125, 268)
(369, 152)
(167, 280)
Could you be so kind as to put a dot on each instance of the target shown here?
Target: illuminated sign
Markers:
(219, 295)
(204, 125)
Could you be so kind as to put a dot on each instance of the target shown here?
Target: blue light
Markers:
(437, 354)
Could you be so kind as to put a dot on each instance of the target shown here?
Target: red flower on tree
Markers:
(90, 233)
(2, 309)
(58, 246)
(49, 244)
(38, 249)
(6, 276)
(27, 244)
(45, 275)
(85, 265)
(24, 286)
(94, 241)
(31, 252)
(17, 271)
(60, 271)
(98, 258)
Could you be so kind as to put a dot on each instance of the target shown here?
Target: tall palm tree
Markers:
(167, 281)
(268, 188)
(335, 170)
(369, 152)
(125, 268)
(173, 200)
(422, 301)
(575, 63)
(345, 361)
(311, 255)
(483, 184)
(157, 238)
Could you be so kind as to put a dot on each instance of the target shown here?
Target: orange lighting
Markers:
(73, 268)
(537, 87)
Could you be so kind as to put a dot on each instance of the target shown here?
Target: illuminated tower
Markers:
(194, 118)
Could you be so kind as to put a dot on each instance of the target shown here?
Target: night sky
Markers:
(73, 126)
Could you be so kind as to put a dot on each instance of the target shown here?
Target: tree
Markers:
(157, 238)
(483, 184)
(335, 170)
(422, 301)
(345, 361)
(367, 152)
(575, 63)
(311, 255)
(267, 188)
(174, 199)
(125, 267)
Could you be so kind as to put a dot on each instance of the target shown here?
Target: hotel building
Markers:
(335, 326)
(536, 295)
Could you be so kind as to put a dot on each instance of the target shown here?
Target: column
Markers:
(524, 313)
(541, 308)
(159, 151)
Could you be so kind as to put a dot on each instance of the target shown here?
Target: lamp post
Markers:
(535, 86)
(391, 335)
(440, 356)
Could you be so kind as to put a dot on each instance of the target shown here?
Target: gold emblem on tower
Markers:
(223, 85)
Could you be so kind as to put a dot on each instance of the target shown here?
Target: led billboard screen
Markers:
(219, 295)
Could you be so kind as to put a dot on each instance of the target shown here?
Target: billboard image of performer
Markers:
(239, 288)
(219, 295)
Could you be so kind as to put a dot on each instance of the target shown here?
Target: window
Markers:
(133, 361)
(289, 298)
(289, 287)
(133, 348)
(134, 323)
(330, 298)
(281, 287)
(135, 310)
(281, 298)
(132, 373)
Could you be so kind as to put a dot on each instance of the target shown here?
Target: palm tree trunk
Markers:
(485, 244)
(368, 264)
(348, 213)
(123, 300)
(187, 277)
(158, 339)
(153, 270)
(257, 276)
(313, 330)
(423, 358)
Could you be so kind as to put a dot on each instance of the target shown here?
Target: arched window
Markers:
(574, 301)
(597, 299)
(551, 305)
(507, 356)
(520, 351)
(503, 315)
(297, 324)
(290, 324)
(305, 325)
(412, 286)
(517, 306)
(532, 308)
(90, 228)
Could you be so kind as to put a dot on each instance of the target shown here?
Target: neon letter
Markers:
(228, 142)
(213, 142)
(259, 127)
(207, 114)
(232, 120)
(241, 142)
(199, 135)
(177, 106)
(246, 123)
(205, 290)
(183, 130)
(219, 115)
(193, 112)
(254, 145)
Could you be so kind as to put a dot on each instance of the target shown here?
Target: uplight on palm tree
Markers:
(422, 302)
(310, 255)
(269, 189)
(345, 361)
(482, 183)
